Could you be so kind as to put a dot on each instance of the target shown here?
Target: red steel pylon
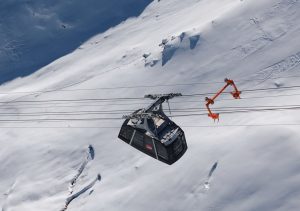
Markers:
(210, 101)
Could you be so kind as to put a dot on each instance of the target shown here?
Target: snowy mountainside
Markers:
(173, 46)
(35, 33)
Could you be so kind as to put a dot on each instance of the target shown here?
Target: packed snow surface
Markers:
(249, 161)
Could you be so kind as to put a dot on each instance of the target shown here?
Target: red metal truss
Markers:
(210, 101)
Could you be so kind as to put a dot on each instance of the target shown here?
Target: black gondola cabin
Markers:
(153, 133)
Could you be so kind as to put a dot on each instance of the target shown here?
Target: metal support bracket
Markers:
(210, 101)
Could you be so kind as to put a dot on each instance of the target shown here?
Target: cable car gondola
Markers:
(153, 133)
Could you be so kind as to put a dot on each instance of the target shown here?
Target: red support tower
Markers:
(210, 101)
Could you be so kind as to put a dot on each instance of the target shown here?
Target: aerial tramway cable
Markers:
(246, 110)
(141, 86)
(183, 112)
(117, 99)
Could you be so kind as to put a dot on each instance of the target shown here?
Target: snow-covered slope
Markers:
(34, 33)
(185, 46)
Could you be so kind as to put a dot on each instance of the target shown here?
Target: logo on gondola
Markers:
(148, 146)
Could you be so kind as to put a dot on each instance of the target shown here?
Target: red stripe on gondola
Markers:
(148, 146)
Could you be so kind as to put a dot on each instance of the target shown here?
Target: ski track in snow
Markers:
(288, 64)
(82, 191)
(267, 34)
(282, 66)
(90, 155)
(7, 195)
